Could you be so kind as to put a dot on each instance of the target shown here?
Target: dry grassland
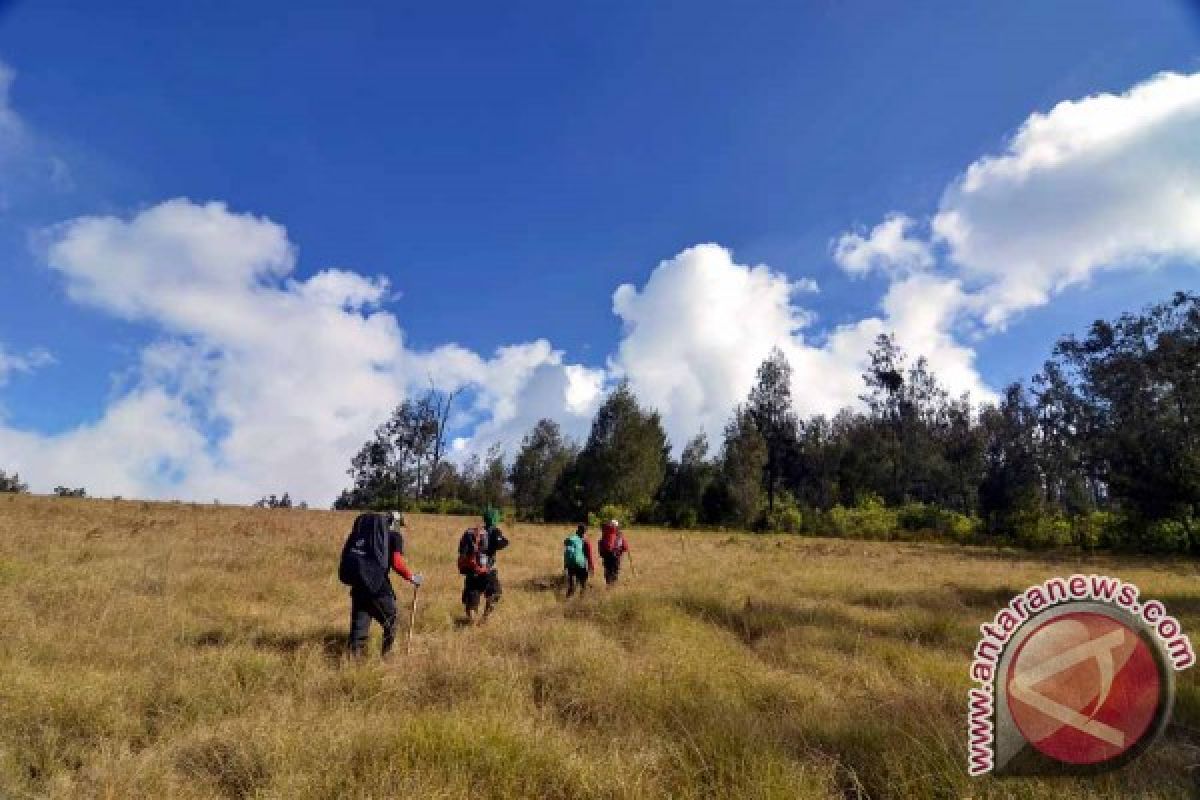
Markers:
(168, 650)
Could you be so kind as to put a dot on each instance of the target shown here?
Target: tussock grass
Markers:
(171, 650)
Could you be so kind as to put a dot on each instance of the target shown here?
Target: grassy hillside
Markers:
(177, 651)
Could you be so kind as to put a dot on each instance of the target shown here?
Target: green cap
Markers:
(491, 517)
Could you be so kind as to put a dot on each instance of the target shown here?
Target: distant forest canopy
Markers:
(1099, 449)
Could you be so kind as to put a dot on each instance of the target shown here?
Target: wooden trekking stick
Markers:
(412, 619)
(632, 566)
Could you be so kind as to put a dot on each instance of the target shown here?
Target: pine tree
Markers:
(770, 407)
(625, 458)
(543, 456)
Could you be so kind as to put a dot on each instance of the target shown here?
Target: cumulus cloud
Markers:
(260, 381)
(513, 389)
(696, 332)
(1110, 181)
(889, 247)
(143, 440)
(1106, 182)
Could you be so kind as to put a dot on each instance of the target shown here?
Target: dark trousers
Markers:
(576, 578)
(365, 607)
(481, 586)
(612, 567)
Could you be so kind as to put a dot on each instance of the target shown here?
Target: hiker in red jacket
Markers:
(613, 547)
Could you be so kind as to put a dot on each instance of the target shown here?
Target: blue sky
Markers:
(507, 166)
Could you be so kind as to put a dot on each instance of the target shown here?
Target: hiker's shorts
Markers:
(477, 586)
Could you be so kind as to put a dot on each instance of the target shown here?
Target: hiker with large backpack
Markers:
(613, 547)
(477, 564)
(373, 549)
(577, 560)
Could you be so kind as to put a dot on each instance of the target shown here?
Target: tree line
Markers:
(1097, 449)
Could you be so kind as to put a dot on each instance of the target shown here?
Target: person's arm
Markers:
(496, 540)
(400, 566)
(398, 563)
(587, 551)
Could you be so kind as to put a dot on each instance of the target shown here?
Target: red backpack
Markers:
(472, 558)
(612, 542)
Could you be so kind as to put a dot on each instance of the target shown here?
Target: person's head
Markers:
(581, 531)
(612, 523)
(491, 517)
(395, 519)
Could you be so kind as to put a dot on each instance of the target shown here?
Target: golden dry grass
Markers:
(166, 650)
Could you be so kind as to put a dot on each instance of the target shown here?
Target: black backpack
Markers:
(364, 563)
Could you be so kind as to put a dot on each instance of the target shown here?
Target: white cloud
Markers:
(697, 331)
(11, 127)
(27, 362)
(30, 167)
(261, 381)
(513, 389)
(143, 439)
(888, 248)
(1105, 182)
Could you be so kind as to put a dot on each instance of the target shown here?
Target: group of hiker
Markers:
(375, 548)
(579, 563)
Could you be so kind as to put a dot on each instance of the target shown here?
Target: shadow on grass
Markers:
(331, 643)
(543, 583)
(754, 620)
(1186, 605)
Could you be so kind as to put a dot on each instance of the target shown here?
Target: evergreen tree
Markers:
(770, 406)
(681, 498)
(493, 479)
(543, 456)
(737, 496)
(625, 458)
(1139, 382)
(1012, 485)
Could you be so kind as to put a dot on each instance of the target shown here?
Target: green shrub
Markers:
(1171, 535)
(688, 518)
(786, 517)
(944, 523)
(917, 517)
(1096, 529)
(870, 520)
(1039, 529)
(610, 511)
(964, 528)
